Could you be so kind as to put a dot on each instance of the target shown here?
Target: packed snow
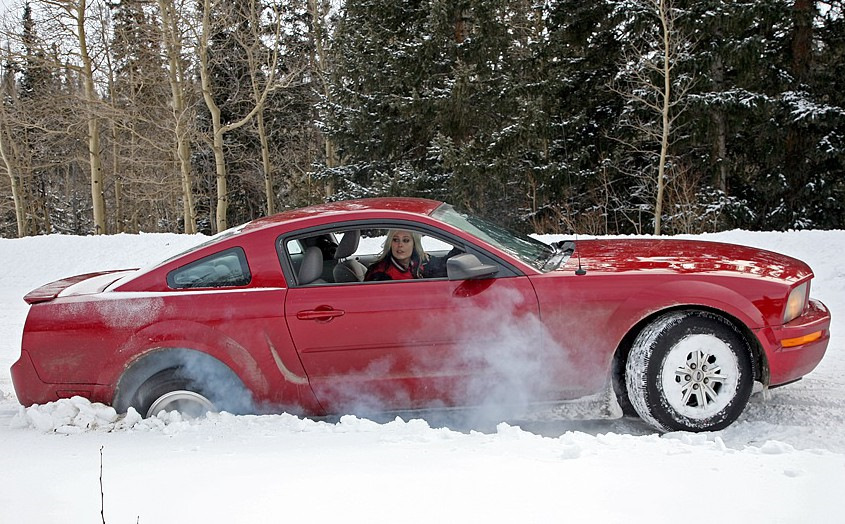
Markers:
(74, 461)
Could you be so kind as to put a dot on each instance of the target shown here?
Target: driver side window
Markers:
(367, 254)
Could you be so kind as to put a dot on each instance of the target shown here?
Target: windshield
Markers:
(523, 247)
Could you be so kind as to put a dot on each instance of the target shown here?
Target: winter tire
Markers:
(689, 371)
(170, 390)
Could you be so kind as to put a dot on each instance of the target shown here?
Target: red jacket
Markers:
(388, 269)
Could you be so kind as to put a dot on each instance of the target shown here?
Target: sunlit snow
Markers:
(783, 461)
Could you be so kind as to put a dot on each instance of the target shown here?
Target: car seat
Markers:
(348, 269)
(311, 268)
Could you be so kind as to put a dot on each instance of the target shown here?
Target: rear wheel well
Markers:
(620, 357)
(205, 373)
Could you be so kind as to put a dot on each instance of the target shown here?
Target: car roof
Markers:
(416, 206)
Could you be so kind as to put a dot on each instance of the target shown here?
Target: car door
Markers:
(410, 344)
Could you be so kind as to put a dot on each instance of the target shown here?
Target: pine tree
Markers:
(441, 99)
(582, 56)
(378, 97)
(763, 111)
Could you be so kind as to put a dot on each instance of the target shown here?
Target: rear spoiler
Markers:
(48, 292)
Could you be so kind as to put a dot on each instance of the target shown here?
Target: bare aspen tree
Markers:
(171, 37)
(77, 10)
(320, 66)
(666, 32)
(115, 138)
(253, 51)
(71, 16)
(45, 118)
(147, 187)
(657, 95)
(6, 152)
(266, 166)
(219, 129)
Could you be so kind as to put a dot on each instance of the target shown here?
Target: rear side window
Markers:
(224, 269)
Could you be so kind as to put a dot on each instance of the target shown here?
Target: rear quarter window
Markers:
(224, 269)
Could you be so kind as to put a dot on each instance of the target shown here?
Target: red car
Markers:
(276, 315)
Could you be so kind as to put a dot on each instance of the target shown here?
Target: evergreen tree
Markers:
(441, 98)
(582, 56)
(762, 121)
(379, 94)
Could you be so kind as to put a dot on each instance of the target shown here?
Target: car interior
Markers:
(344, 256)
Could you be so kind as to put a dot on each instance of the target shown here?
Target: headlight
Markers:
(796, 302)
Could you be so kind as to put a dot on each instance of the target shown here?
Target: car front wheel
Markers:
(689, 371)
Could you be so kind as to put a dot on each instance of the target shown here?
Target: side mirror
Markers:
(466, 266)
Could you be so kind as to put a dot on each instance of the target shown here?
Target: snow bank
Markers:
(782, 461)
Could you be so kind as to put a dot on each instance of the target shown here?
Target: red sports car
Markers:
(323, 311)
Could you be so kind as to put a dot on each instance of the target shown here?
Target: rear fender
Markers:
(165, 345)
(228, 390)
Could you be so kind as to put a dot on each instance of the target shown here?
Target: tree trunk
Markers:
(218, 129)
(222, 208)
(176, 77)
(97, 190)
(798, 144)
(804, 12)
(664, 142)
(720, 145)
(320, 66)
(222, 203)
(265, 163)
(17, 189)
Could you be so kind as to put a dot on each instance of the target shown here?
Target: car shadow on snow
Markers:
(547, 422)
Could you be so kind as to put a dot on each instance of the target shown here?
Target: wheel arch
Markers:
(230, 391)
(171, 339)
(620, 355)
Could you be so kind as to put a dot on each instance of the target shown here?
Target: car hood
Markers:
(685, 256)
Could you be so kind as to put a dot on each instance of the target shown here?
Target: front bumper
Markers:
(787, 364)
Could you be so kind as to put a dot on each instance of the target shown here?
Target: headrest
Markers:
(348, 244)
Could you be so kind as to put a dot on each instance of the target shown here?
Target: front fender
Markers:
(671, 295)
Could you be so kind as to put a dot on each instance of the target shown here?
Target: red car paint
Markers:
(318, 349)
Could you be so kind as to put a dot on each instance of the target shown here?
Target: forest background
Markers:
(603, 117)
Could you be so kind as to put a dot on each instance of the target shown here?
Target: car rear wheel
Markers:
(689, 371)
(170, 390)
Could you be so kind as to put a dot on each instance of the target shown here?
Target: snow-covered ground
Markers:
(783, 461)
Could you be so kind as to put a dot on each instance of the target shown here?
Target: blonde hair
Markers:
(418, 249)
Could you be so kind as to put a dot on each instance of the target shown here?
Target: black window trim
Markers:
(376, 223)
(239, 253)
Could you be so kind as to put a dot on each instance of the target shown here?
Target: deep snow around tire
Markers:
(167, 382)
(689, 371)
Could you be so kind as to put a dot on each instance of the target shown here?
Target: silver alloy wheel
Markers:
(699, 376)
(188, 403)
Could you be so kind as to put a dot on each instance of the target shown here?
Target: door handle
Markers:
(324, 313)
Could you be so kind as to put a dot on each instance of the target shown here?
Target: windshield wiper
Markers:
(561, 252)
(566, 247)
